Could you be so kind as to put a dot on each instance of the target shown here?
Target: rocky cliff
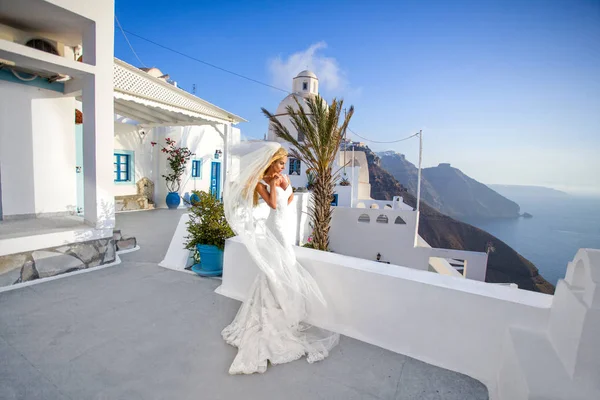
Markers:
(448, 190)
(504, 264)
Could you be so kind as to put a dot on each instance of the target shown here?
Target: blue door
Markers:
(79, 166)
(215, 179)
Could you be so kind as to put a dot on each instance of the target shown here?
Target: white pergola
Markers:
(152, 102)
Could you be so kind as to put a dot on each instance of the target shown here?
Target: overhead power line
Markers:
(128, 42)
(383, 142)
(205, 62)
(168, 48)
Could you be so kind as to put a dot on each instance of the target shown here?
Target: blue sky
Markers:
(507, 91)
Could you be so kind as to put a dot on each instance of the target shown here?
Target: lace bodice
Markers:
(278, 220)
(282, 194)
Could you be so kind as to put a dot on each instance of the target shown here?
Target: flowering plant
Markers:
(309, 243)
(177, 157)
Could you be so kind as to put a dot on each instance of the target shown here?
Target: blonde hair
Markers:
(278, 155)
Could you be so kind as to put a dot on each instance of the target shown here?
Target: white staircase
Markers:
(561, 362)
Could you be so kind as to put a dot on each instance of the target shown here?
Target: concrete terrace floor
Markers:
(138, 331)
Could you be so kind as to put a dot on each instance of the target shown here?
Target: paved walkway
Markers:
(138, 331)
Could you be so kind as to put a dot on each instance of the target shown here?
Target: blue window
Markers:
(196, 168)
(122, 167)
(294, 166)
(334, 202)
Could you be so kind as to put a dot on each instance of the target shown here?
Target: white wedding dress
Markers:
(269, 325)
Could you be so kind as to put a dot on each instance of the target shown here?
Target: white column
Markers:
(98, 125)
(419, 188)
(353, 189)
(226, 139)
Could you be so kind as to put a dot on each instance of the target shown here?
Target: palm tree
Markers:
(320, 126)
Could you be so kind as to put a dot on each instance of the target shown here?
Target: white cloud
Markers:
(331, 77)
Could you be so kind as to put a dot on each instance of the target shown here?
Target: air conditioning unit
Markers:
(41, 43)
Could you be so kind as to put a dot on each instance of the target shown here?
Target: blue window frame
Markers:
(123, 167)
(196, 168)
(294, 166)
(122, 173)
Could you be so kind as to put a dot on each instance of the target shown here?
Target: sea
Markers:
(560, 226)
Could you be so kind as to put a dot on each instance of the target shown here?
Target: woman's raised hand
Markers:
(277, 180)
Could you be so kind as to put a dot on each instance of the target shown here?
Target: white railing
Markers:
(439, 261)
(475, 263)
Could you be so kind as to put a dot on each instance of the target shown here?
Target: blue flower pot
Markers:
(211, 261)
(194, 199)
(173, 200)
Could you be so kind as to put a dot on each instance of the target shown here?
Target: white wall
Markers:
(128, 137)
(360, 158)
(394, 242)
(447, 321)
(344, 195)
(364, 190)
(37, 150)
(150, 162)
(96, 13)
(54, 154)
(203, 141)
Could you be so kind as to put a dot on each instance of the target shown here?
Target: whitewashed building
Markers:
(40, 78)
(149, 108)
(76, 127)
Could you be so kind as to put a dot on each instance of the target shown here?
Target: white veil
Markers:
(269, 325)
(271, 256)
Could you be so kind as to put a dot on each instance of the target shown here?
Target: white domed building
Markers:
(304, 86)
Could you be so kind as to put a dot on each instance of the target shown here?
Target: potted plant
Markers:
(208, 229)
(344, 181)
(177, 157)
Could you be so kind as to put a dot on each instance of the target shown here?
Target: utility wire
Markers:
(384, 142)
(128, 42)
(232, 73)
(205, 62)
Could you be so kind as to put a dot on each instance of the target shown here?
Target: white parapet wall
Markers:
(560, 360)
(447, 321)
(390, 232)
(520, 344)
(364, 233)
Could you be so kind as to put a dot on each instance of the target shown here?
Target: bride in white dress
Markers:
(269, 326)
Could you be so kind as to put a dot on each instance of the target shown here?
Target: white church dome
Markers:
(307, 74)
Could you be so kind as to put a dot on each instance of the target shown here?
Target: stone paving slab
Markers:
(138, 331)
